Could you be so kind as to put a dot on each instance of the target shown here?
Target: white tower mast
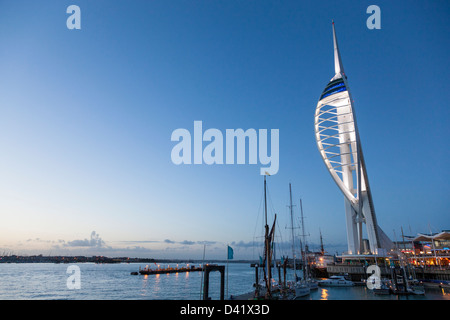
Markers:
(339, 144)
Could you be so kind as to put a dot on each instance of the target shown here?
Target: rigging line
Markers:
(270, 202)
(257, 246)
(254, 244)
(259, 212)
(280, 245)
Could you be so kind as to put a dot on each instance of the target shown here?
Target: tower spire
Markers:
(338, 67)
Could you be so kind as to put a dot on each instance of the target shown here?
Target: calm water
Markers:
(113, 281)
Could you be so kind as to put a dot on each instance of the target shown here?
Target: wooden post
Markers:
(208, 269)
(256, 282)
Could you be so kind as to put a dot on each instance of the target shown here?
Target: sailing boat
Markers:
(300, 288)
(307, 279)
(268, 253)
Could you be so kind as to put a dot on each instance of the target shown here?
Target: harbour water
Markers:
(48, 281)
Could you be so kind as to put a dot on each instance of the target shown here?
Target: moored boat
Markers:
(383, 289)
(312, 284)
(336, 281)
(301, 290)
(416, 289)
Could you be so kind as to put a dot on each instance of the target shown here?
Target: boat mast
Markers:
(267, 242)
(305, 262)
(322, 250)
(292, 232)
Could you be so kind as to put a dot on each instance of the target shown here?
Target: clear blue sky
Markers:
(87, 115)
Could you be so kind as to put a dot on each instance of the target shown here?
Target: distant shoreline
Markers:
(101, 259)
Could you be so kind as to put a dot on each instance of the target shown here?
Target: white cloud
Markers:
(95, 241)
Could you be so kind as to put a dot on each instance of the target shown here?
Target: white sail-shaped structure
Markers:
(339, 144)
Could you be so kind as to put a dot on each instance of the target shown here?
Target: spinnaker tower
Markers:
(339, 145)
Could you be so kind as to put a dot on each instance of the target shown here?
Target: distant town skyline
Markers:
(88, 115)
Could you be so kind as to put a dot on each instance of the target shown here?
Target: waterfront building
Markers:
(427, 250)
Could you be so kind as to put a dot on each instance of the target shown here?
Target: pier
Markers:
(149, 271)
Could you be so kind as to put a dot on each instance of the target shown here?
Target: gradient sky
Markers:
(87, 116)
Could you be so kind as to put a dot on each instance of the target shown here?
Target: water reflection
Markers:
(445, 292)
(324, 294)
(144, 286)
(156, 285)
(113, 281)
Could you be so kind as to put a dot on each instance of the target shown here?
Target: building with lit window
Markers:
(427, 250)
